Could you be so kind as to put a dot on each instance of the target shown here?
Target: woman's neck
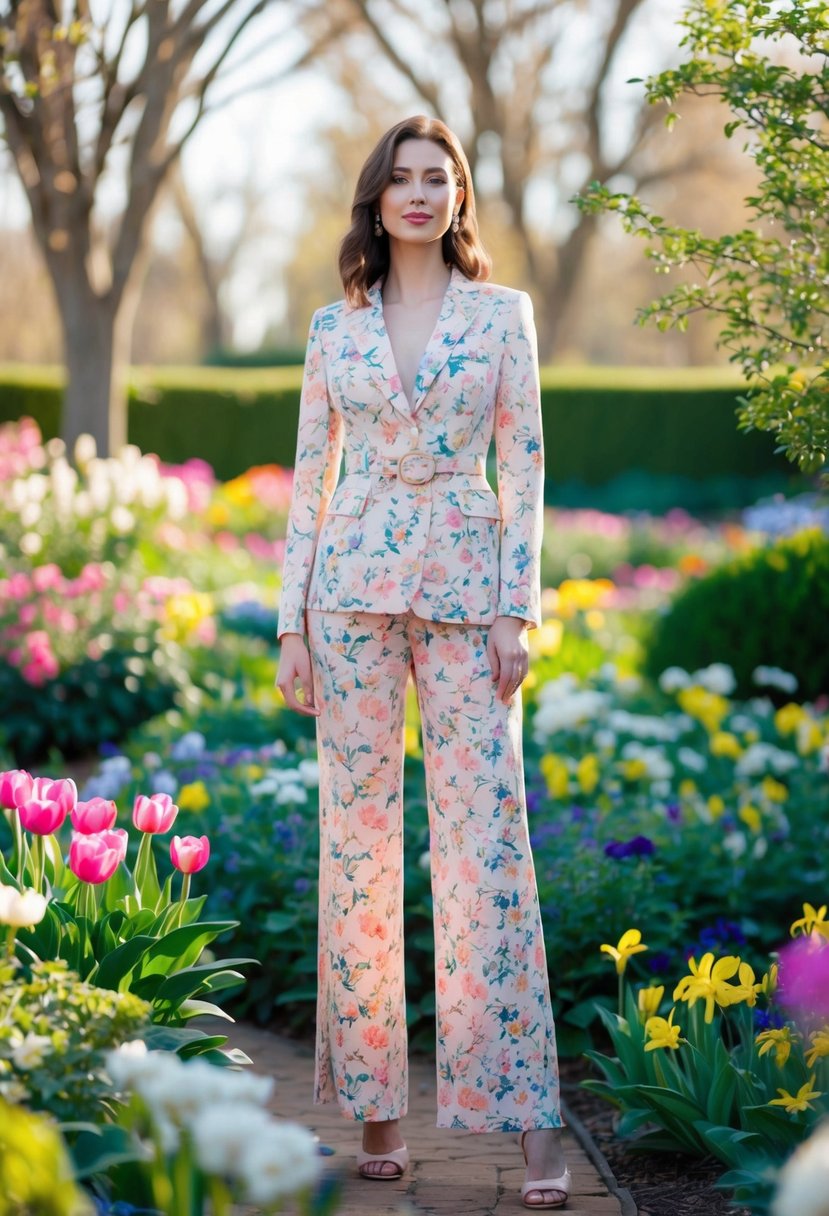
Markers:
(416, 273)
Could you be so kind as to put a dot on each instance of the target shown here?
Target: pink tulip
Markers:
(190, 853)
(96, 815)
(93, 858)
(15, 786)
(154, 814)
(116, 838)
(48, 804)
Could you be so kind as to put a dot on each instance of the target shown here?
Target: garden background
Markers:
(160, 263)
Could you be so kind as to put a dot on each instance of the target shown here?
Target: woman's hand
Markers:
(508, 655)
(295, 664)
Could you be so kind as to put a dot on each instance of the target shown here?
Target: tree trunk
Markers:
(97, 337)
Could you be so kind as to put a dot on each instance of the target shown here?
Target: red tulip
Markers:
(96, 815)
(155, 814)
(45, 809)
(190, 853)
(95, 858)
(15, 786)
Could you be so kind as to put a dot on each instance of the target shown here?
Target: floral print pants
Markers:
(496, 1056)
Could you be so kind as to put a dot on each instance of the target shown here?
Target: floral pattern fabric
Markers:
(450, 549)
(496, 1054)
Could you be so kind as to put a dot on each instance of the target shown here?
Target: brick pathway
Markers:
(450, 1173)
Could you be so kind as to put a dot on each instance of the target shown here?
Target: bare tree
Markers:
(97, 97)
(502, 75)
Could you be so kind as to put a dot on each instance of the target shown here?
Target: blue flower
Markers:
(189, 747)
(637, 846)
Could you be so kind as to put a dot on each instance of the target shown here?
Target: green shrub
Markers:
(767, 607)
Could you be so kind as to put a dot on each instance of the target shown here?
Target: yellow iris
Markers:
(750, 817)
(629, 944)
(709, 708)
(780, 1041)
(634, 769)
(661, 1032)
(193, 797)
(587, 773)
(746, 989)
(723, 743)
(708, 982)
(801, 1101)
(554, 771)
(788, 718)
(649, 1000)
(775, 791)
(813, 920)
(820, 1046)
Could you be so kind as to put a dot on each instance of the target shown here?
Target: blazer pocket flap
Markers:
(479, 502)
(350, 498)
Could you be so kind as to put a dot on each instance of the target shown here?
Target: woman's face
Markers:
(417, 204)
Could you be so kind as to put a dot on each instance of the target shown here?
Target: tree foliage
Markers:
(766, 60)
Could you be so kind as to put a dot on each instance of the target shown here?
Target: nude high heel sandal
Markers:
(562, 1185)
(398, 1157)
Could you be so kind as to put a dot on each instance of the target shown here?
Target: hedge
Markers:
(599, 423)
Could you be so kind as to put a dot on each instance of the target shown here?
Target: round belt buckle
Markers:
(427, 462)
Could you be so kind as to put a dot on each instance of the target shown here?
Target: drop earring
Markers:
(456, 221)
(378, 224)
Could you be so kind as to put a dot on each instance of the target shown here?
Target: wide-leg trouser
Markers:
(496, 1056)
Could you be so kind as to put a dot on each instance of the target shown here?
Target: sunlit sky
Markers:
(268, 135)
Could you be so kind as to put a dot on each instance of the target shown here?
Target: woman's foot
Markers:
(546, 1165)
(384, 1153)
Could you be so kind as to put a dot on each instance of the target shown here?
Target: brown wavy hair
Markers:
(365, 257)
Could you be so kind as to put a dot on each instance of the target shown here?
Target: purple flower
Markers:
(767, 1019)
(302, 885)
(659, 962)
(637, 846)
(674, 812)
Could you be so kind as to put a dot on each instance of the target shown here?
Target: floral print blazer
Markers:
(449, 549)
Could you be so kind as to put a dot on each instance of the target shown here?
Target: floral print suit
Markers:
(399, 570)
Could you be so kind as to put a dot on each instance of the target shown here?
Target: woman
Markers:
(411, 563)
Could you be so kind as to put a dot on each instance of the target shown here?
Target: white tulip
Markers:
(222, 1131)
(21, 909)
(85, 448)
(803, 1182)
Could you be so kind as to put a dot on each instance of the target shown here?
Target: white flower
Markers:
(762, 757)
(562, 705)
(605, 740)
(674, 678)
(716, 677)
(425, 861)
(760, 848)
(775, 677)
(741, 724)
(657, 764)
(823, 763)
(122, 520)
(190, 746)
(803, 1182)
(21, 909)
(221, 1133)
(30, 544)
(31, 1051)
(291, 793)
(310, 772)
(735, 844)
(691, 759)
(644, 726)
(281, 1162)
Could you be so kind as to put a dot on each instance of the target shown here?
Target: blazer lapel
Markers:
(368, 331)
(460, 304)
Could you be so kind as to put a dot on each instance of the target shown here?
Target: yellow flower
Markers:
(629, 944)
(662, 1033)
(412, 740)
(750, 817)
(594, 619)
(687, 788)
(184, 613)
(788, 718)
(768, 983)
(812, 920)
(801, 1101)
(746, 989)
(716, 806)
(751, 736)
(708, 982)
(634, 769)
(254, 771)
(239, 491)
(809, 737)
(709, 708)
(587, 773)
(819, 1048)
(723, 743)
(775, 791)
(193, 797)
(580, 594)
(217, 515)
(554, 771)
(545, 641)
(779, 1040)
(649, 1000)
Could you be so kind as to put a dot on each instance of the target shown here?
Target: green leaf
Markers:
(95, 1153)
(114, 969)
(181, 947)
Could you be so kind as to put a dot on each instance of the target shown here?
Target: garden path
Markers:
(452, 1173)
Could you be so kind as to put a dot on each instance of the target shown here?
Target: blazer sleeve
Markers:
(519, 449)
(316, 468)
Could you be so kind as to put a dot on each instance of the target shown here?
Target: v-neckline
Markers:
(436, 331)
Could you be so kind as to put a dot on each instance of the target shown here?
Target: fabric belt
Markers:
(417, 467)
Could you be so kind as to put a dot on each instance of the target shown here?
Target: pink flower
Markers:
(471, 1099)
(154, 814)
(15, 786)
(46, 578)
(375, 1036)
(47, 805)
(189, 853)
(96, 857)
(96, 815)
(116, 838)
(803, 987)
